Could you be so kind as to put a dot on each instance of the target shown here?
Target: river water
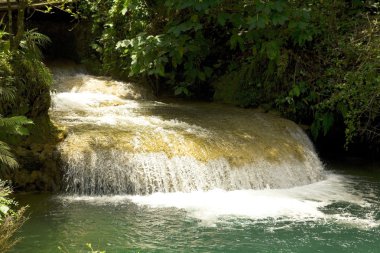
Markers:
(339, 214)
(148, 176)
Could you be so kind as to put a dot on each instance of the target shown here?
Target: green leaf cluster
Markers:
(189, 44)
(10, 220)
(317, 62)
(23, 78)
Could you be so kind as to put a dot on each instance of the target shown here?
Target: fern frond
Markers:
(15, 121)
(15, 125)
(7, 93)
(31, 42)
(37, 38)
(6, 157)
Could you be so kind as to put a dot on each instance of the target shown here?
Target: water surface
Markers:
(339, 214)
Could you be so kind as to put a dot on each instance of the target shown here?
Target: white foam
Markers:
(79, 82)
(71, 101)
(303, 203)
(109, 171)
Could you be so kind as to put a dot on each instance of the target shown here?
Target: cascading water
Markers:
(203, 165)
(121, 142)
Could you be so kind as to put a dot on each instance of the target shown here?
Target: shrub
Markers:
(10, 220)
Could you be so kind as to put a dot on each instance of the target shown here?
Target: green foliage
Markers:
(349, 85)
(6, 157)
(24, 79)
(11, 126)
(314, 61)
(337, 83)
(7, 89)
(5, 203)
(10, 220)
(88, 247)
(4, 44)
(189, 44)
(357, 101)
(21, 76)
(31, 43)
(14, 125)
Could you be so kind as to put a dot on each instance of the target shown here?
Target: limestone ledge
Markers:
(39, 168)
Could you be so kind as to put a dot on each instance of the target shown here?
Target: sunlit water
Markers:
(147, 176)
(339, 214)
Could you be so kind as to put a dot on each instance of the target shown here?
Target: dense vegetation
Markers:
(317, 62)
(24, 94)
(10, 220)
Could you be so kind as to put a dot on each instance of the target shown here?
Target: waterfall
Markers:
(120, 141)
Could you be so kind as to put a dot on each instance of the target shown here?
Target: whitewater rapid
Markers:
(120, 141)
(213, 161)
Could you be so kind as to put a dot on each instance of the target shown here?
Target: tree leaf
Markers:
(327, 122)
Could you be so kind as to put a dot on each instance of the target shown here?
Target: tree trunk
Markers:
(22, 4)
(10, 23)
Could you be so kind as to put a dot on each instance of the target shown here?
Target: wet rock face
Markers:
(38, 159)
(38, 169)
